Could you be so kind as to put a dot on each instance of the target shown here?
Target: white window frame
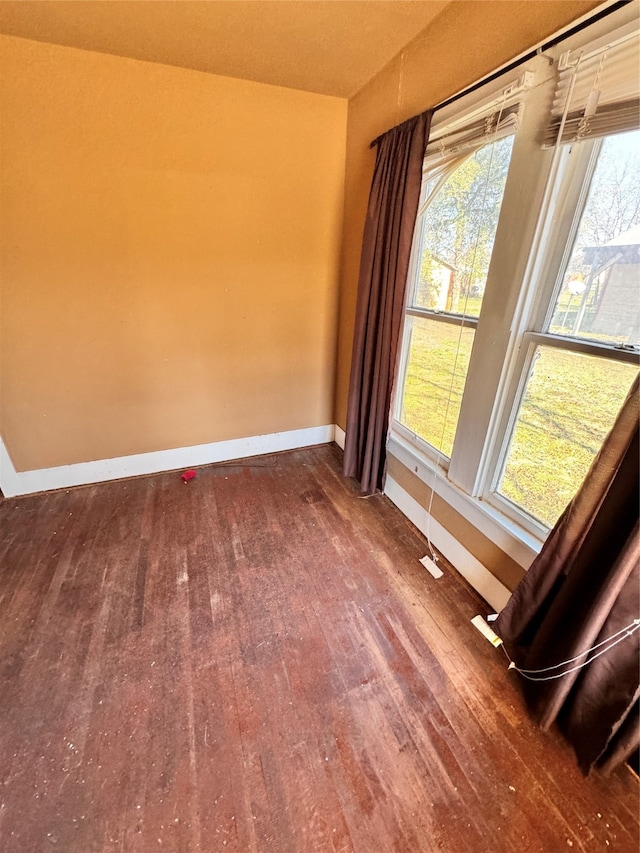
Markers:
(514, 312)
(570, 186)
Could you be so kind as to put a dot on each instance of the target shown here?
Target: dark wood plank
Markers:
(257, 661)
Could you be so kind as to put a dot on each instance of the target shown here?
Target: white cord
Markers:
(633, 626)
(618, 637)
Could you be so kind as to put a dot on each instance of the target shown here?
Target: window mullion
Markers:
(527, 178)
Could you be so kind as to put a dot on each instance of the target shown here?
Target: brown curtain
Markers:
(583, 588)
(384, 264)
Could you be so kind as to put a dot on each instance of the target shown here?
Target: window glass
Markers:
(600, 294)
(458, 229)
(456, 232)
(570, 403)
(434, 380)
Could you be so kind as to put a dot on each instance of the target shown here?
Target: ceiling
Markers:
(331, 47)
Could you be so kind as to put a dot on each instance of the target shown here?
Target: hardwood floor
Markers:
(257, 661)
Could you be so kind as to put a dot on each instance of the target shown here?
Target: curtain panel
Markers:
(384, 265)
(583, 588)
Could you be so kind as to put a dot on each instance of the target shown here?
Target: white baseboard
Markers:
(14, 483)
(480, 578)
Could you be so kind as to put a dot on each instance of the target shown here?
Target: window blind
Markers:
(477, 132)
(498, 115)
(598, 89)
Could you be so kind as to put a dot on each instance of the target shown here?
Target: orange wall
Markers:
(170, 251)
(467, 41)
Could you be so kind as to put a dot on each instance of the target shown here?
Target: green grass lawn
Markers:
(570, 403)
(432, 394)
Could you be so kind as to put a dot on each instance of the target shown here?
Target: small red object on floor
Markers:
(188, 475)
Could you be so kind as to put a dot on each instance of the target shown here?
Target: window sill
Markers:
(515, 541)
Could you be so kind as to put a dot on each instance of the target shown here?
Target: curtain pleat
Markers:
(384, 265)
(583, 587)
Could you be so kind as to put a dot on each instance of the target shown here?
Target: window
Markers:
(573, 392)
(522, 325)
(457, 223)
